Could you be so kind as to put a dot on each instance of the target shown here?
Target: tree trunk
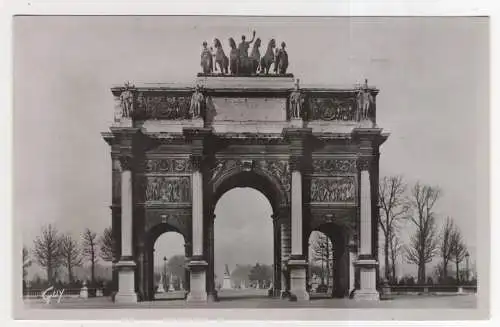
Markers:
(92, 276)
(386, 254)
(70, 273)
(394, 271)
(445, 269)
(457, 272)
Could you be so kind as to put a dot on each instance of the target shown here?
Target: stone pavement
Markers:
(256, 299)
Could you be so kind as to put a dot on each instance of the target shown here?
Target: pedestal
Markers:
(367, 280)
(197, 292)
(296, 123)
(226, 283)
(298, 268)
(126, 289)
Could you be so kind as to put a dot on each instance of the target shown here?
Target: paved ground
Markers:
(258, 299)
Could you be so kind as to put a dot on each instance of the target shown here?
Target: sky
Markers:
(432, 74)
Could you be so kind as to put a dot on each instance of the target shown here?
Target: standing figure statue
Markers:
(234, 57)
(255, 56)
(127, 101)
(364, 101)
(197, 101)
(220, 57)
(281, 63)
(296, 101)
(206, 59)
(245, 45)
(268, 59)
(245, 66)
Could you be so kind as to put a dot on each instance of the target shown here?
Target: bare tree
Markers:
(395, 250)
(26, 261)
(423, 243)
(458, 250)
(90, 250)
(394, 208)
(47, 251)
(322, 251)
(444, 245)
(107, 245)
(71, 254)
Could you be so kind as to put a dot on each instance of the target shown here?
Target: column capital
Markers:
(126, 161)
(364, 162)
(196, 161)
(296, 162)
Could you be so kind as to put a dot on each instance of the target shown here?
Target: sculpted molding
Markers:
(334, 166)
(167, 166)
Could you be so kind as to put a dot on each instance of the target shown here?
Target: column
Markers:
(212, 292)
(297, 263)
(353, 249)
(285, 255)
(366, 263)
(277, 256)
(197, 265)
(126, 266)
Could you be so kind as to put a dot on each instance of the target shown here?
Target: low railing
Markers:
(419, 289)
(67, 293)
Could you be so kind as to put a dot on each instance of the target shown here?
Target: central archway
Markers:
(268, 192)
(243, 244)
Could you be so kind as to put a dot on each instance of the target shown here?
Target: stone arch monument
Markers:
(176, 149)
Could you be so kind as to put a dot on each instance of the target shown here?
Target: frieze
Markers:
(167, 166)
(333, 189)
(163, 106)
(334, 166)
(340, 109)
(168, 189)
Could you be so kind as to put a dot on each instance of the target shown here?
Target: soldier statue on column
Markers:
(364, 100)
(197, 101)
(127, 100)
(296, 101)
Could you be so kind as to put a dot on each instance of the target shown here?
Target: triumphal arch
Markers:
(312, 151)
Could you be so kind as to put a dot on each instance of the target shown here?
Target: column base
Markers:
(368, 280)
(126, 282)
(213, 296)
(298, 291)
(296, 122)
(366, 295)
(197, 283)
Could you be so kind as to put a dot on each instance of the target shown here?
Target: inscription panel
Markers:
(249, 109)
(339, 189)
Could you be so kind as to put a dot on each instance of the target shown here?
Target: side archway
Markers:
(148, 266)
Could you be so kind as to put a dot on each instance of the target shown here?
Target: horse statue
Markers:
(281, 64)
(255, 56)
(268, 59)
(220, 57)
(234, 57)
(206, 59)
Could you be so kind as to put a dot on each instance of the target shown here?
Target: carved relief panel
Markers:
(166, 180)
(333, 189)
(341, 109)
(334, 180)
(162, 106)
(165, 189)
